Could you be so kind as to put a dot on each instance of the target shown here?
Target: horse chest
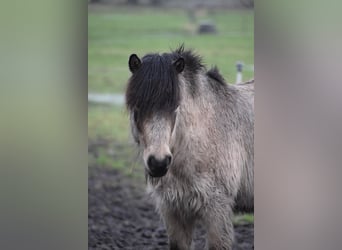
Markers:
(186, 197)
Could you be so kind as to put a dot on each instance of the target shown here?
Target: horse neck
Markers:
(195, 111)
(197, 103)
(199, 111)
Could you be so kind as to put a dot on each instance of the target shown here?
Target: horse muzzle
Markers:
(158, 167)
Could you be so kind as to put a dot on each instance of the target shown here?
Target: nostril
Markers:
(168, 160)
(151, 161)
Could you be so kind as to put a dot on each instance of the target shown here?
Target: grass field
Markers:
(115, 33)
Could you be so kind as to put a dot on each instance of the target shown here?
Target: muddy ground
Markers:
(121, 216)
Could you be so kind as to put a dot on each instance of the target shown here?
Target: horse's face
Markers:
(155, 136)
(152, 97)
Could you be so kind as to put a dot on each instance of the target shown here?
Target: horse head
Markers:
(152, 98)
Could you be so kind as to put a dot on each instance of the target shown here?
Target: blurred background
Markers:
(221, 31)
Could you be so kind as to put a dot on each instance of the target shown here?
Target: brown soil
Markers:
(121, 216)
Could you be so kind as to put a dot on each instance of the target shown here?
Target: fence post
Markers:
(239, 66)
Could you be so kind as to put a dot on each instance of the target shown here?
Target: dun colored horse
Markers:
(196, 135)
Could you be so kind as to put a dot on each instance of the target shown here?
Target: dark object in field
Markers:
(196, 135)
(207, 28)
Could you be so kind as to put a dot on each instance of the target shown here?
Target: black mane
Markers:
(154, 87)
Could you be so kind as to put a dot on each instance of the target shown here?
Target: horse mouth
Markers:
(158, 173)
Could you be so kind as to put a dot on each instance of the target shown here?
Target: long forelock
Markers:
(154, 88)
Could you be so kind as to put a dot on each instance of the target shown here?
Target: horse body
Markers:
(211, 142)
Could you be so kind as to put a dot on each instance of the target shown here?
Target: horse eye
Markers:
(135, 119)
(135, 116)
(135, 130)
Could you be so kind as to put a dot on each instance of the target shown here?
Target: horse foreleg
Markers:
(179, 231)
(220, 230)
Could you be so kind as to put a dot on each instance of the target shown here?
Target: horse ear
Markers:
(134, 63)
(179, 64)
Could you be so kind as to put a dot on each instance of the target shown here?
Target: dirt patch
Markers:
(121, 216)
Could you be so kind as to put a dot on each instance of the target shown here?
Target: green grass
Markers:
(119, 157)
(115, 33)
(108, 122)
(243, 219)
